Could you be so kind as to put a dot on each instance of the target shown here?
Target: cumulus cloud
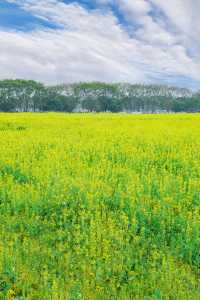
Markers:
(96, 45)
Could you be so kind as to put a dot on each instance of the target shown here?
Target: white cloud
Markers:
(134, 9)
(92, 45)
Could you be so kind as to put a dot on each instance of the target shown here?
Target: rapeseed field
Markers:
(99, 207)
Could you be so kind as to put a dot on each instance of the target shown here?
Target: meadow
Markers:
(99, 207)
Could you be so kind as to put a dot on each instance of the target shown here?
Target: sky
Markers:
(135, 41)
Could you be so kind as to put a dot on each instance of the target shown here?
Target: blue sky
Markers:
(13, 17)
(136, 41)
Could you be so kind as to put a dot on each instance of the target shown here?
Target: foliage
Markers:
(99, 206)
(23, 96)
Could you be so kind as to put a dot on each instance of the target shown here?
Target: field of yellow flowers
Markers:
(99, 207)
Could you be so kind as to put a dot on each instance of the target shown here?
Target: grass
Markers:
(99, 207)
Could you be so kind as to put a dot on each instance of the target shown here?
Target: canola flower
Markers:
(99, 206)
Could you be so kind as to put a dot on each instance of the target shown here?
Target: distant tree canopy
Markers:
(24, 96)
(27, 95)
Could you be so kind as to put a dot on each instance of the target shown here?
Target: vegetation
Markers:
(23, 96)
(99, 206)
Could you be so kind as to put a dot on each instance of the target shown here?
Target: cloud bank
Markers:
(149, 41)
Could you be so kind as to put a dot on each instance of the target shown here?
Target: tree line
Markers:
(32, 96)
